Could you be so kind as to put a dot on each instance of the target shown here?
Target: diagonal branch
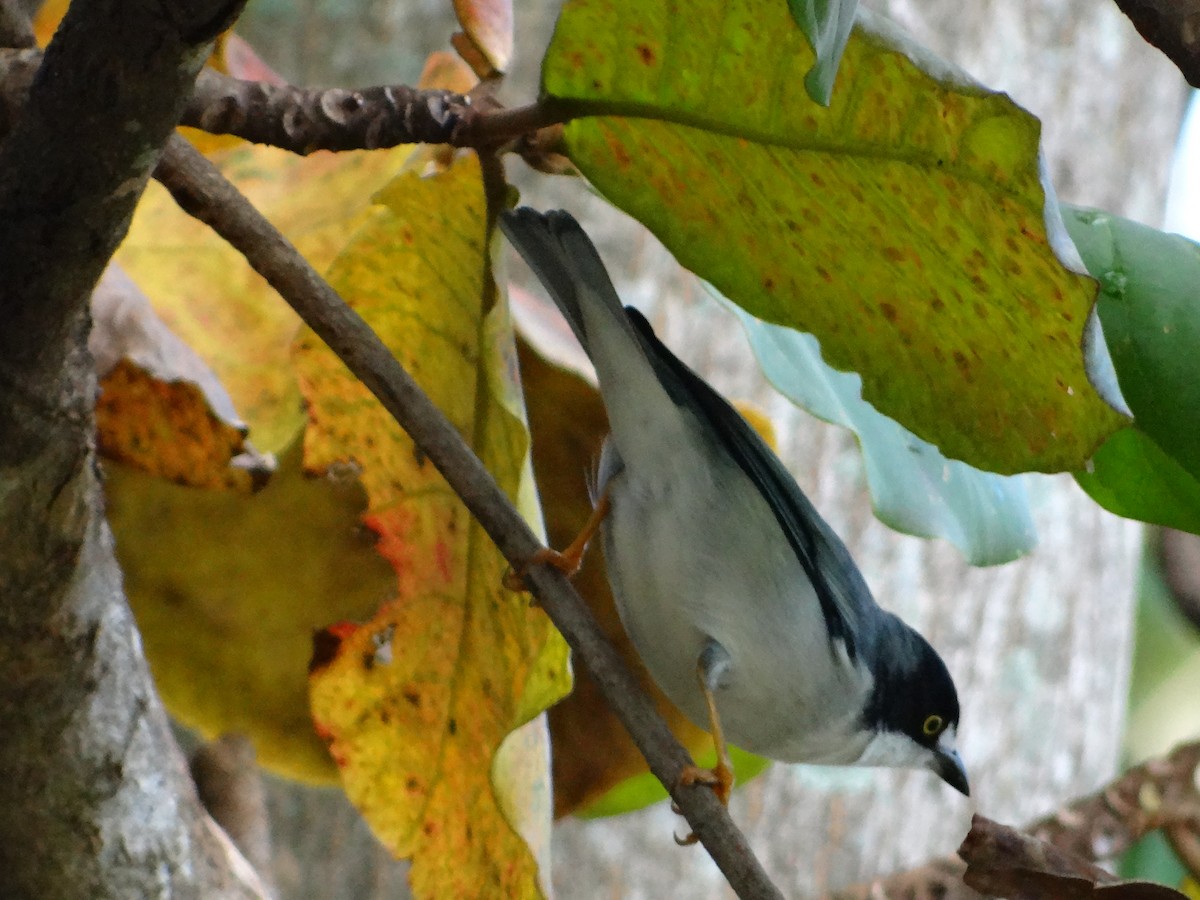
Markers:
(204, 193)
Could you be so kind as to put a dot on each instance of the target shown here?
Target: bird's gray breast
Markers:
(694, 552)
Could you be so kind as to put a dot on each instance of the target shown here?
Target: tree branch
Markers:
(307, 119)
(1173, 26)
(304, 120)
(109, 90)
(1003, 862)
(202, 192)
(1162, 793)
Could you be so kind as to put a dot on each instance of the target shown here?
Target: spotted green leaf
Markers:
(906, 225)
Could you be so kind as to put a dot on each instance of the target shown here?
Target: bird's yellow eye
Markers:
(932, 725)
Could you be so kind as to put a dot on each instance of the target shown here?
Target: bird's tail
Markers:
(564, 259)
(635, 382)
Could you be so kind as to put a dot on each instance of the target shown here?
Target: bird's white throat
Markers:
(897, 750)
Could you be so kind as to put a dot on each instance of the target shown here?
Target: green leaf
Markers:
(1132, 477)
(905, 226)
(1150, 309)
(826, 24)
(1152, 859)
(640, 791)
(914, 489)
(1164, 641)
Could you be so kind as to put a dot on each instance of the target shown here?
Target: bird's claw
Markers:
(567, 563)
(719, 778)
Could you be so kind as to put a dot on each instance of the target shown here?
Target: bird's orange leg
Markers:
(709, 668)
(568, 560)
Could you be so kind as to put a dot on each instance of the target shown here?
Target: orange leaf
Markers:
(161, 409)
(488, 29)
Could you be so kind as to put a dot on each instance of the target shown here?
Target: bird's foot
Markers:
(719, 778)
(566, 562)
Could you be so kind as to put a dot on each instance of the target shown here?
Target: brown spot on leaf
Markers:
(327, 643)
(646, 54)
(824, 273)
(889, 311)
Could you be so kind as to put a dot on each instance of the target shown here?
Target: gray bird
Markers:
(744, 605)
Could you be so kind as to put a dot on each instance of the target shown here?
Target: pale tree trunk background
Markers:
(1040, 648)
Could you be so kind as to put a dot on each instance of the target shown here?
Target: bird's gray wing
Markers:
(845, 599)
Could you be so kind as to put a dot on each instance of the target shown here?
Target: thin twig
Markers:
(204, 193)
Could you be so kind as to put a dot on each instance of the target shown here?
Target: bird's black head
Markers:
(913, 698)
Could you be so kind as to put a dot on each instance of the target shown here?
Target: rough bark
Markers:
(95, 799)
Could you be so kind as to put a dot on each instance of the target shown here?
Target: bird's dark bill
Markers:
(950, 769)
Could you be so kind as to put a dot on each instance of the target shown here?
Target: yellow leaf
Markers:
(46, 21)
(208, 295)
(416, 703)
(228, 589)
(160, 408)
